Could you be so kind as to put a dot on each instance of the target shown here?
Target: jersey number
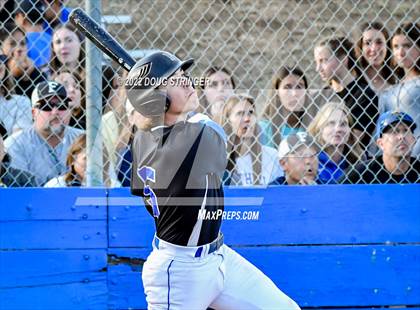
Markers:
(147, 174)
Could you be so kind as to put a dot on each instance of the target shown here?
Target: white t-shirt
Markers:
(270, 168)
(15, 113)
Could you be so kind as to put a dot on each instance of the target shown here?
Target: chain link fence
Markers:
(271, 72)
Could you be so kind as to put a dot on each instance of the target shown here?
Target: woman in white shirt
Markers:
(249, 162)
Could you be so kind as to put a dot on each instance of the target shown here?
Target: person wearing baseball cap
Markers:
(395, 137)
(298, 155)
(42, 148)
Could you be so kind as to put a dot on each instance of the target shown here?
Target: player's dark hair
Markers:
(411, 31)
(234, 142)
(55, 63)
(274, 110)
(387, 70)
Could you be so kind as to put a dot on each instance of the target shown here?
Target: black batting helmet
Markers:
(146, 76)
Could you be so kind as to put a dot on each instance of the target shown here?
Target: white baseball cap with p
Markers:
(294, 141)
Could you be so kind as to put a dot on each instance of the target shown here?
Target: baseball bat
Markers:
(101, 38)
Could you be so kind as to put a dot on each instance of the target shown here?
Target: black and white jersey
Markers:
(178, 171)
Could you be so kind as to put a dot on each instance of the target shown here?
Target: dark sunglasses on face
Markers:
(49, 105)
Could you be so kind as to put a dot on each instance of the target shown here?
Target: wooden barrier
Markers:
(328, 247)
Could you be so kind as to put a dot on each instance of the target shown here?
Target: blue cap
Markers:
(386, 119)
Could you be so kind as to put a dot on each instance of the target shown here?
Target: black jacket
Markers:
(11, 177)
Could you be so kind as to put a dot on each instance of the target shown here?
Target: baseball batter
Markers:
(178, 162)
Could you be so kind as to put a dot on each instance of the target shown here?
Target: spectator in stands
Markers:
(298, 155)
(373, 51)
(217, 85)
(29, 18)
(15, 110)
(405, 96)
(335, 63)
(68, 53)
(135, 119)
(395, 137)
(55, 14)
(24, 73)
(42, 149)
(76, 163)
(287, 110)
(331, 128)
(249, 162)
(11, 177)
(115, 123)
(73, 84)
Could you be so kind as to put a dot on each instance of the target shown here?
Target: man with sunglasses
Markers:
(395, 138)
(42, 149)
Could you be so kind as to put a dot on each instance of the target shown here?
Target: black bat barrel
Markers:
(101, 38)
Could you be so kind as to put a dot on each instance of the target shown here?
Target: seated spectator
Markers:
(29, 18)
(76, 163)
(331, 128)
(394, 136)
(68, 53)
(336, 64)
(23, 72)
(298, 155)
(135, 119)
(373, 51)
(115, 124)
(249, 162)
(55, 14)
(9, 176)
(42, 149)
(287, 110)
(218, 85)
(15, 110)
(405, 96)
(72, 82)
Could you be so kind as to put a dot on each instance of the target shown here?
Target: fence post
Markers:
(94, 103)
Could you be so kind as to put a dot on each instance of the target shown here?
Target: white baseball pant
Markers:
(174, 278)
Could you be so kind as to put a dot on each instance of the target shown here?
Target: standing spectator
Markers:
(68, 53)
(249, 162)
(42, 149)
(76, 163)
(331, 128)
(373, 51)
(298, 155)
(395, 138)
(55, 14)
(405, 96)
(217, 85)
(287, 110)
(23, 72)
(15, 110)
(72, 82)
(11, 177)
(29, 18)
(335, 63)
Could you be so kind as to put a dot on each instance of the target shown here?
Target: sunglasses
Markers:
(48, 106)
